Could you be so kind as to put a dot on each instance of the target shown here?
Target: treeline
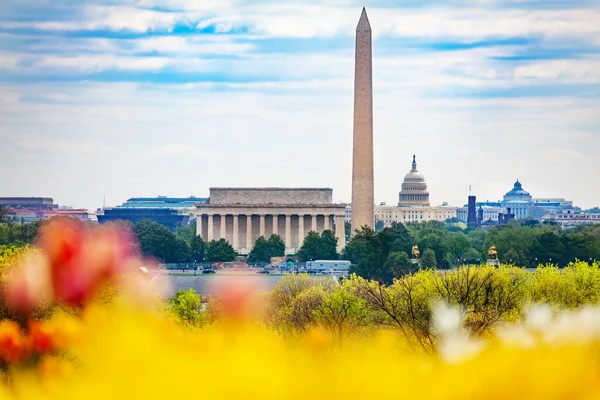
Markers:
(181, 245)
(386, 254)
(14, 232)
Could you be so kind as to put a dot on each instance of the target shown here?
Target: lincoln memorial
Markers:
(242, 215)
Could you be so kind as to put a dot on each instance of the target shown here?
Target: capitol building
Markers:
(413, 204)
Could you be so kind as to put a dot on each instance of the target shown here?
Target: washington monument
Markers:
(362, 155)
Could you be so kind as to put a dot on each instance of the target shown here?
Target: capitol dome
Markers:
(414, 189)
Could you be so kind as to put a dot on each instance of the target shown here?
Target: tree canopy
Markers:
(220, 251)
(264, 249)
(319, 247)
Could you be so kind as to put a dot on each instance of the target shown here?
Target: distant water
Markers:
(206, 285)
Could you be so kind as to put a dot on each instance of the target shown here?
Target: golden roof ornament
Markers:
(415, 251)
(492, 253)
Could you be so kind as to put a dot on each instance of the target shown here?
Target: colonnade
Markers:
(242, 229)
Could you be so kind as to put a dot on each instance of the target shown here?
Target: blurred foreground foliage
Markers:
(475, 332)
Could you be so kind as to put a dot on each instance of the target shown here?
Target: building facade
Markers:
(572, 219)
(413, 203)
(168, 211)
(242, 215)
(414, 189)
(518, 201)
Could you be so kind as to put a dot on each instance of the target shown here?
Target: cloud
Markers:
(171, 96)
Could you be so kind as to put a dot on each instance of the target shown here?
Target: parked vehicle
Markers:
(209, 271)
(263, 271)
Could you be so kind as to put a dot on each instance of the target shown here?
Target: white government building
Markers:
(413, 205)
(242, 215)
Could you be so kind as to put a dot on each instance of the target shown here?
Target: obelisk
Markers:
(362, 155)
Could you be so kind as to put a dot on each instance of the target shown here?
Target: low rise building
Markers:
(168, 211)
(573, 219)
(242, 215)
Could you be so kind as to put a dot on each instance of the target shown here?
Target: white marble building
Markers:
(242, 215)
(413, 204)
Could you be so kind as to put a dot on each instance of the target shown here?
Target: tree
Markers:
(435, 242)
(197, 250)
(398, 264)
(365, 253)
(186, 233)
(260, 252)
(457, 245)
(395, 238)
(472, 256)
(550, 247)
(342, 312)
(310, 247)
(319, 247)
(328, 246)
(379, 225)
(186, 307)
(220, 251)
(158, 241)
(3, 214)
(428, 259)
(180, 252)
(276, 246)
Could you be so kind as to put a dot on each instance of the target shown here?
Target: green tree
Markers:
(379, 225)
(318, 247)
(472, 256)
(394, 239)
(328, 246)
(276, 246)
(186, 233)
(428, 259)
(197, 250)
(550, 247)
(310, 247)
(260, 252)
(365, 253)
(220, 251)
(435, 242)
(342, 312)
(3, 214)
(398, 264)
(186, 307)
(457, 245)
(158, 241)
(181, 252)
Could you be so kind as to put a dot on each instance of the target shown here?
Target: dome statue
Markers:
(414, 189)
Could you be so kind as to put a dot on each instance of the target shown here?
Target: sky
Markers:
(108, 99)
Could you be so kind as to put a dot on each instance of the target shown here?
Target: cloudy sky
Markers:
(140, 98)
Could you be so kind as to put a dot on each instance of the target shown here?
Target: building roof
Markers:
(517, 190)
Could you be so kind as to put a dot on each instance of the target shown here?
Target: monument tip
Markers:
(364, 20)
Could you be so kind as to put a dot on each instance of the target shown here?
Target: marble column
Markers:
(326, 223)
(236, 228)
(313, 226)
(340, 232)
(288, 231)
(211, 228)
(249, 243)
(223, 227)
(262, 226)
(300, 230)
(275, 224)
(199, 226)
